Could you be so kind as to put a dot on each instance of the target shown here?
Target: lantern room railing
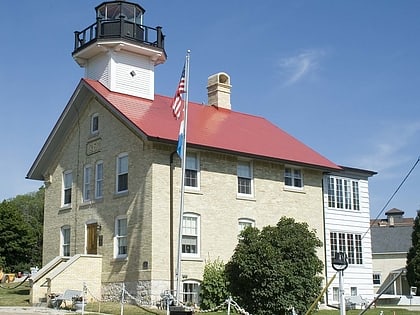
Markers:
(119, 28)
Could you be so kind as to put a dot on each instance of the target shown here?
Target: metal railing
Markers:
(119, 28)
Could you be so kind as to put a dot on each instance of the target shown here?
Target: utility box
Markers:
(179, 310)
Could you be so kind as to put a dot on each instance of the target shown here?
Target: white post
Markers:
(83, 297)
(228, 310)
(341, 288)
(122, 299)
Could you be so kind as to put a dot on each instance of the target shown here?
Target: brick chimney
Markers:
(218, 90)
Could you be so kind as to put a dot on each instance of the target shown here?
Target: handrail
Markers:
(119, 28)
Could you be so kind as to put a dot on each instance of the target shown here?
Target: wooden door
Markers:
(91, 239)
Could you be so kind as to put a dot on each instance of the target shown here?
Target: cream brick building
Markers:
(113, 178)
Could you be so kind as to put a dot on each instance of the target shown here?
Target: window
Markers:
(87, 173)
(99, 180)
(244, 223)
(94, 124)
(122, 172)
(192, 170)
(190, 235)
(244, 172)
(376, 278)
(191, 291)
(67, 185)
(293, 177)
(353, 291)
(355, 186)
(336, 292)
(120, 245)
(343, 193)
(65, 241)
(348, 243)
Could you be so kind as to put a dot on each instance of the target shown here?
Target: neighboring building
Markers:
(347, 222)
(112, 175)
(391, 240)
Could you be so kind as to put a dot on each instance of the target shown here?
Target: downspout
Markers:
(325, 247)
(171, 222)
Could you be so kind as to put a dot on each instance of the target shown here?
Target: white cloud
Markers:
(395, 146)
(297, 67)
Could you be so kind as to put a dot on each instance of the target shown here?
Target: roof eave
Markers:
(40, 165)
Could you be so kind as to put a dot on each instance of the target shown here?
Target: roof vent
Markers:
(218, 90)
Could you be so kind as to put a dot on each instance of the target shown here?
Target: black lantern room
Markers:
(119, 20)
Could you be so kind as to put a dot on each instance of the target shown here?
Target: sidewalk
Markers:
(28, 310)
(10, 310)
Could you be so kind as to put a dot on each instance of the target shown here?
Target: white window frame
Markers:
(293, 175)
(191, 232)
(119, 238)
(94, 130)
(121, 171)
(99, 180)
(349, 243)
(241, 175)
(64, 242)
(336, 294)
(377, 278)
(343, 193)
(67, 186)
(191, 297)
(243, 223)
(87, 187)
(192, 165)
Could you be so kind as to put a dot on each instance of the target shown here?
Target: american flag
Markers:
(177, 103)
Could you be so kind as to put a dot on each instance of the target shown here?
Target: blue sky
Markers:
(341, 76)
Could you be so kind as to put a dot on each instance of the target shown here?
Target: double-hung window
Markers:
(87, 174)
(120, 244)
(293, 177)
(122, 172)
(376, 278)
(94, 124)
(99, 180)
(65, 241)
(244, 173)
(243, 223)
(67, 186)
(190, 235)
(192, 171)
(191, 292)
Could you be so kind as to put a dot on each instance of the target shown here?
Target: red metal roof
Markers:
(212, 127)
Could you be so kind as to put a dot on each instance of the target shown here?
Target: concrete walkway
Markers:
(32, 310)
(12, 310)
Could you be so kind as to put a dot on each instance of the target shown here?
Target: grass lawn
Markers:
(11, 296)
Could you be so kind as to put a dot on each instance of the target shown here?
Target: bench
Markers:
(353, 301)
(68, 295)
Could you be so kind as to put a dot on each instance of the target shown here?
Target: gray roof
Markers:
(386, 239)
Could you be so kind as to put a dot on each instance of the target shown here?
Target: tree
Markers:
(21, 220)
(276, 268)
(413, 257)
(31, 206)
(213, 290)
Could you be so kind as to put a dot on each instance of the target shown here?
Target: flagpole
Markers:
(183, 162)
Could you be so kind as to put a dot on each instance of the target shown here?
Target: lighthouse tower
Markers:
(120, 51)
